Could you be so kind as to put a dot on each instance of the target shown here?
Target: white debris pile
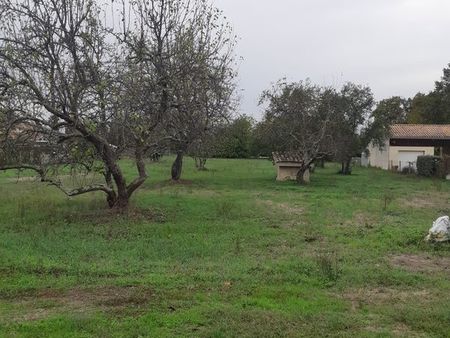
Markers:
(440, 232)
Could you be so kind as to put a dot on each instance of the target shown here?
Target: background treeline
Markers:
(434, 107)
(244, 137)
(96, 90)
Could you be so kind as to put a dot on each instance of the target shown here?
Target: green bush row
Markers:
(429, 166)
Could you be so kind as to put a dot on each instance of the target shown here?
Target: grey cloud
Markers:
(398, 47)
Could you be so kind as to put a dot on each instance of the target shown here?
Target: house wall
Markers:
(378, 158)
(388, 157)
(394, 154)
(287, 171)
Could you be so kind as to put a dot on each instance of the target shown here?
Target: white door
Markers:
(407, 158)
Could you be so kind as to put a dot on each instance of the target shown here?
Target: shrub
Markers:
(408, 171)
(226, 209)
(387, 199)
(428, 166)
(328, 265)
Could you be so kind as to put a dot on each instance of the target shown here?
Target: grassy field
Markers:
(227, 253)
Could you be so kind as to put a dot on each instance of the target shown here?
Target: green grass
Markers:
(228, 253)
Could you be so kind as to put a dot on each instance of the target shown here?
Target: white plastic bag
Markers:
(440, 232)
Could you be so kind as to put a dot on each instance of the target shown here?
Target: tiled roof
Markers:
(288, 156)
(421, 131)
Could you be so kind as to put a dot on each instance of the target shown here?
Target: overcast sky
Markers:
(397, 47)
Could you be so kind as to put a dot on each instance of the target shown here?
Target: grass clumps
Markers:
(230, 252)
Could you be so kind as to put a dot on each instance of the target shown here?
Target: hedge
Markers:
(429, 166)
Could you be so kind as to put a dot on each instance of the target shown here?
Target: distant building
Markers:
(406, 143)
(288, 164)
(25, 144)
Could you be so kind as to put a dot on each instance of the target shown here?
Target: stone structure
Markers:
(288, 165)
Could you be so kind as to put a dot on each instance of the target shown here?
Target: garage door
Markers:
(407, 158)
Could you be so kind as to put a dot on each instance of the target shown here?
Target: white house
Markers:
(406, 143)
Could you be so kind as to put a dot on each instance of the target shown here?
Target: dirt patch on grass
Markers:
(385, 296)
(181, 182)
(421, 263)
(253, 322)
(284, 207)
(47, 303)
(362, 219)
(291, 214)
(397, 330)
(107, 216)
(204, 193)
(435, 200)
(403, 330)
(183, 188)
(171, 183)
(18, 179)
(101, 296)
(199, 192)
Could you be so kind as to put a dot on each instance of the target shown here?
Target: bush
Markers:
(328, 265)
(445, 167)
(429, 166)
(408, 171)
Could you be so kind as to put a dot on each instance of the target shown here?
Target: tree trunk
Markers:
(122, 198)
(121, 203)
(203, 163)
(303, 176)
(111, 199)
(177, 166)
(321, 163)
(119, 199)
(346, 167)
(200, 163)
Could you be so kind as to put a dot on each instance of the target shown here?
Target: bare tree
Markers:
(186, 48)
(204, 148)
(62, 79)
(352, 123)
(299, 119)
(47, 56)
(97, 93)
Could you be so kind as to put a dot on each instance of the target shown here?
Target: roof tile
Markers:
(288, 156)
(421, 131)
